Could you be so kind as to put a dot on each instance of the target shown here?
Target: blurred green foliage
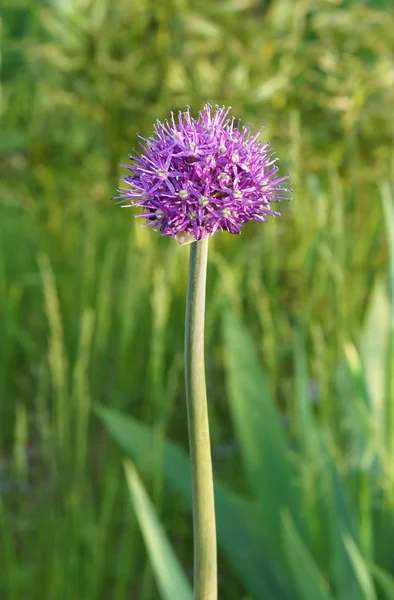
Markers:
(91, 305)
(316, 522)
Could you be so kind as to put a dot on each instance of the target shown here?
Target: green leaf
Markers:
(170, 578)
(388, 205)
(306, 427)
(360, 567)
(311, 454)
(358, 412)
(308, 581)
(258, 428)
(374, 353)
(343, 522)
(237, 527)
(385, 581)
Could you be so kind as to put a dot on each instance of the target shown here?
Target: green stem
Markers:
(205, 567)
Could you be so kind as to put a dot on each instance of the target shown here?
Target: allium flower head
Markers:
(194, 177)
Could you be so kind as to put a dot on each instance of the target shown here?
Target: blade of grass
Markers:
(384, 580)
(58, 363)
(308, 581)
(80, 395)
(388, 206)
(170, 578)
(259, 432)
(374, 353)
(342, 522)
(360, 569)
(365, 447)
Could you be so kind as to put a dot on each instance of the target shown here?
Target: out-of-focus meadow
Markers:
(92, 305)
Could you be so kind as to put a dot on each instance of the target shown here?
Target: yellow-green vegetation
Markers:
(92, 305)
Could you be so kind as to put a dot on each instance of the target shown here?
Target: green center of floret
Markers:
(225, 212)
(183, 194)
(203, 200)
(224, 178)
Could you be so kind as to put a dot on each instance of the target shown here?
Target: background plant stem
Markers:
(205, 563)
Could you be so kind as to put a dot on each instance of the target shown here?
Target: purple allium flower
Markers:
(194, 177)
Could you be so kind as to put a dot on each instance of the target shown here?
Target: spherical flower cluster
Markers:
(194, 177)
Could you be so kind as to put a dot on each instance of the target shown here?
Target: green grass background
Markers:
(91, 305)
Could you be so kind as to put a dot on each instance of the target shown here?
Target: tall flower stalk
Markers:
(192, 178)
(204, 527)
